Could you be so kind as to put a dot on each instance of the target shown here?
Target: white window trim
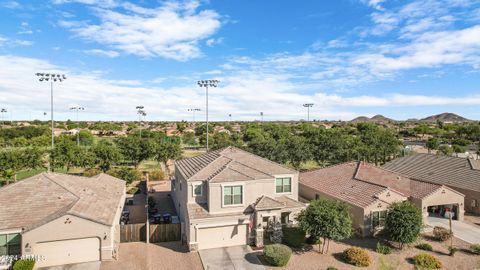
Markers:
(283, 176)
(194, 184)
(233, 185)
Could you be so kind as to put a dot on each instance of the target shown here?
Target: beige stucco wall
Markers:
(441, 197)
(70, 227)
(469, 196)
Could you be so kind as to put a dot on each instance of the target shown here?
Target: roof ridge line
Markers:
(243, 164)
(69, 191)
(266, 159)
(217, 171)
(229, 163)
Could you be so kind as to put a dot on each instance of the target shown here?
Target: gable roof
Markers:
(444, 170)
(44, 197)
(229, 164)
(360, 183)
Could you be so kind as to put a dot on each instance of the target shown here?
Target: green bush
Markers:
(293, 236)
(441, 233)
(24, 265)
(475, 249)
(452, 251)
(332, 268)
(383, 249)
(125, 173)
(357, 256)
(91, 172)
(157, 175)
(277, 254)
(312, 240)
(424, 246)
(427, 261)
(133, 190)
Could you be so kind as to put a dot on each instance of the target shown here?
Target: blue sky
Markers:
(402, 59)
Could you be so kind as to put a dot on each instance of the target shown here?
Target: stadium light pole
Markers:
(52, 77)
(206, 84)
(77, 109)
(194, 110)
(230, 116)
(308, 106)
(2, 111)
(140, 113)
(261, 115)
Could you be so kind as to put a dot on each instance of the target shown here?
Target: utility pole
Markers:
(206, 84)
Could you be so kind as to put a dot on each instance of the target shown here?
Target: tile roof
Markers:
(229, 164)
(200, 211)
(41, 198)
(266, 202)
(443, 170)
(360, 183)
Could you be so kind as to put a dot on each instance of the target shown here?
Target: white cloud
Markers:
(99, 52)
(172, 30)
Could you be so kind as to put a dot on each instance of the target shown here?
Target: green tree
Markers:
(64, 154)
(327, 219)
(298, 151)
(165, 150)
(403, 223)
(445, 150)
(135, 149)
(432, 144)
(107, 154)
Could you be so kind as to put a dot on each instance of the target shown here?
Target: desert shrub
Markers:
(157, 175)
(127, 174)
(91, 172)
(475, 249)
(133, 190)
(24, 265)
(277, 254)
(357, 257)
(452, 251)
(427, 261)
(293, 236)
(424, 246)
(332, 268)
(441, 233)
(383, 249)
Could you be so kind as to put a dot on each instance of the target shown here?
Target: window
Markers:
(10, 244)
(474, 203)
(232, 195)
(378, 219)
(197, 190)
(283, 185)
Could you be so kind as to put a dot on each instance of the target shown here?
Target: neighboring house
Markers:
(62, 218)
(370, 190)
(230, 197)
(460, 174)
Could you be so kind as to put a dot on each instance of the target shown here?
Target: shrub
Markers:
(332, 268)
(403, 223)
(312, 240)
(427, 261)
(424, 246)
(127, 174)
(357, 257)
(133, 190)
(441, 233)
(452, 251)
(91, 172)
(277, 254)
(475, 249)
(383, 249)
(24, 265)
(293, 236)
(157, 175)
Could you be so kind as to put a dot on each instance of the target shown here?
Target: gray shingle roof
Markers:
(41, 198)
(444, 170)
(229, 164)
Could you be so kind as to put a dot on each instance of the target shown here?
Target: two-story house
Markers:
(229, 197)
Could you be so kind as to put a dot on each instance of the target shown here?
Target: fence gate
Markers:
(158, 232)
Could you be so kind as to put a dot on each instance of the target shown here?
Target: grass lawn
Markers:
(192, 153)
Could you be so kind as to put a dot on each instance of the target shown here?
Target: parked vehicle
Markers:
(167, 218)
(156, 219)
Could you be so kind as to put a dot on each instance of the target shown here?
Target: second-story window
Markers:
(197, 190)
(283, 185)
(232, 195)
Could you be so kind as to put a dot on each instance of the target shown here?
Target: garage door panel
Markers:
(68, 251)
(222, 236)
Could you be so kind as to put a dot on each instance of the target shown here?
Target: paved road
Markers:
(461, 230)
(230, 258)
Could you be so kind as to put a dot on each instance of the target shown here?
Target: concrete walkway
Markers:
(461, 230)
(230, 258)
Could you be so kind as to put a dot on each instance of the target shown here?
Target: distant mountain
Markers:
(446, 117)
(375, 119)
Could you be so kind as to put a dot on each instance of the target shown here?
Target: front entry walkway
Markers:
(461, 230)
(230, 258)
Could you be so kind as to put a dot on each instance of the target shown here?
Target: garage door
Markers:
(68, 251)
(222, 236)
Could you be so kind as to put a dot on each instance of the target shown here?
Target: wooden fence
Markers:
(158, 232)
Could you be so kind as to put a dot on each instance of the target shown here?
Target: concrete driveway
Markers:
(234, 258)
(461, 230)
(76, 266)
